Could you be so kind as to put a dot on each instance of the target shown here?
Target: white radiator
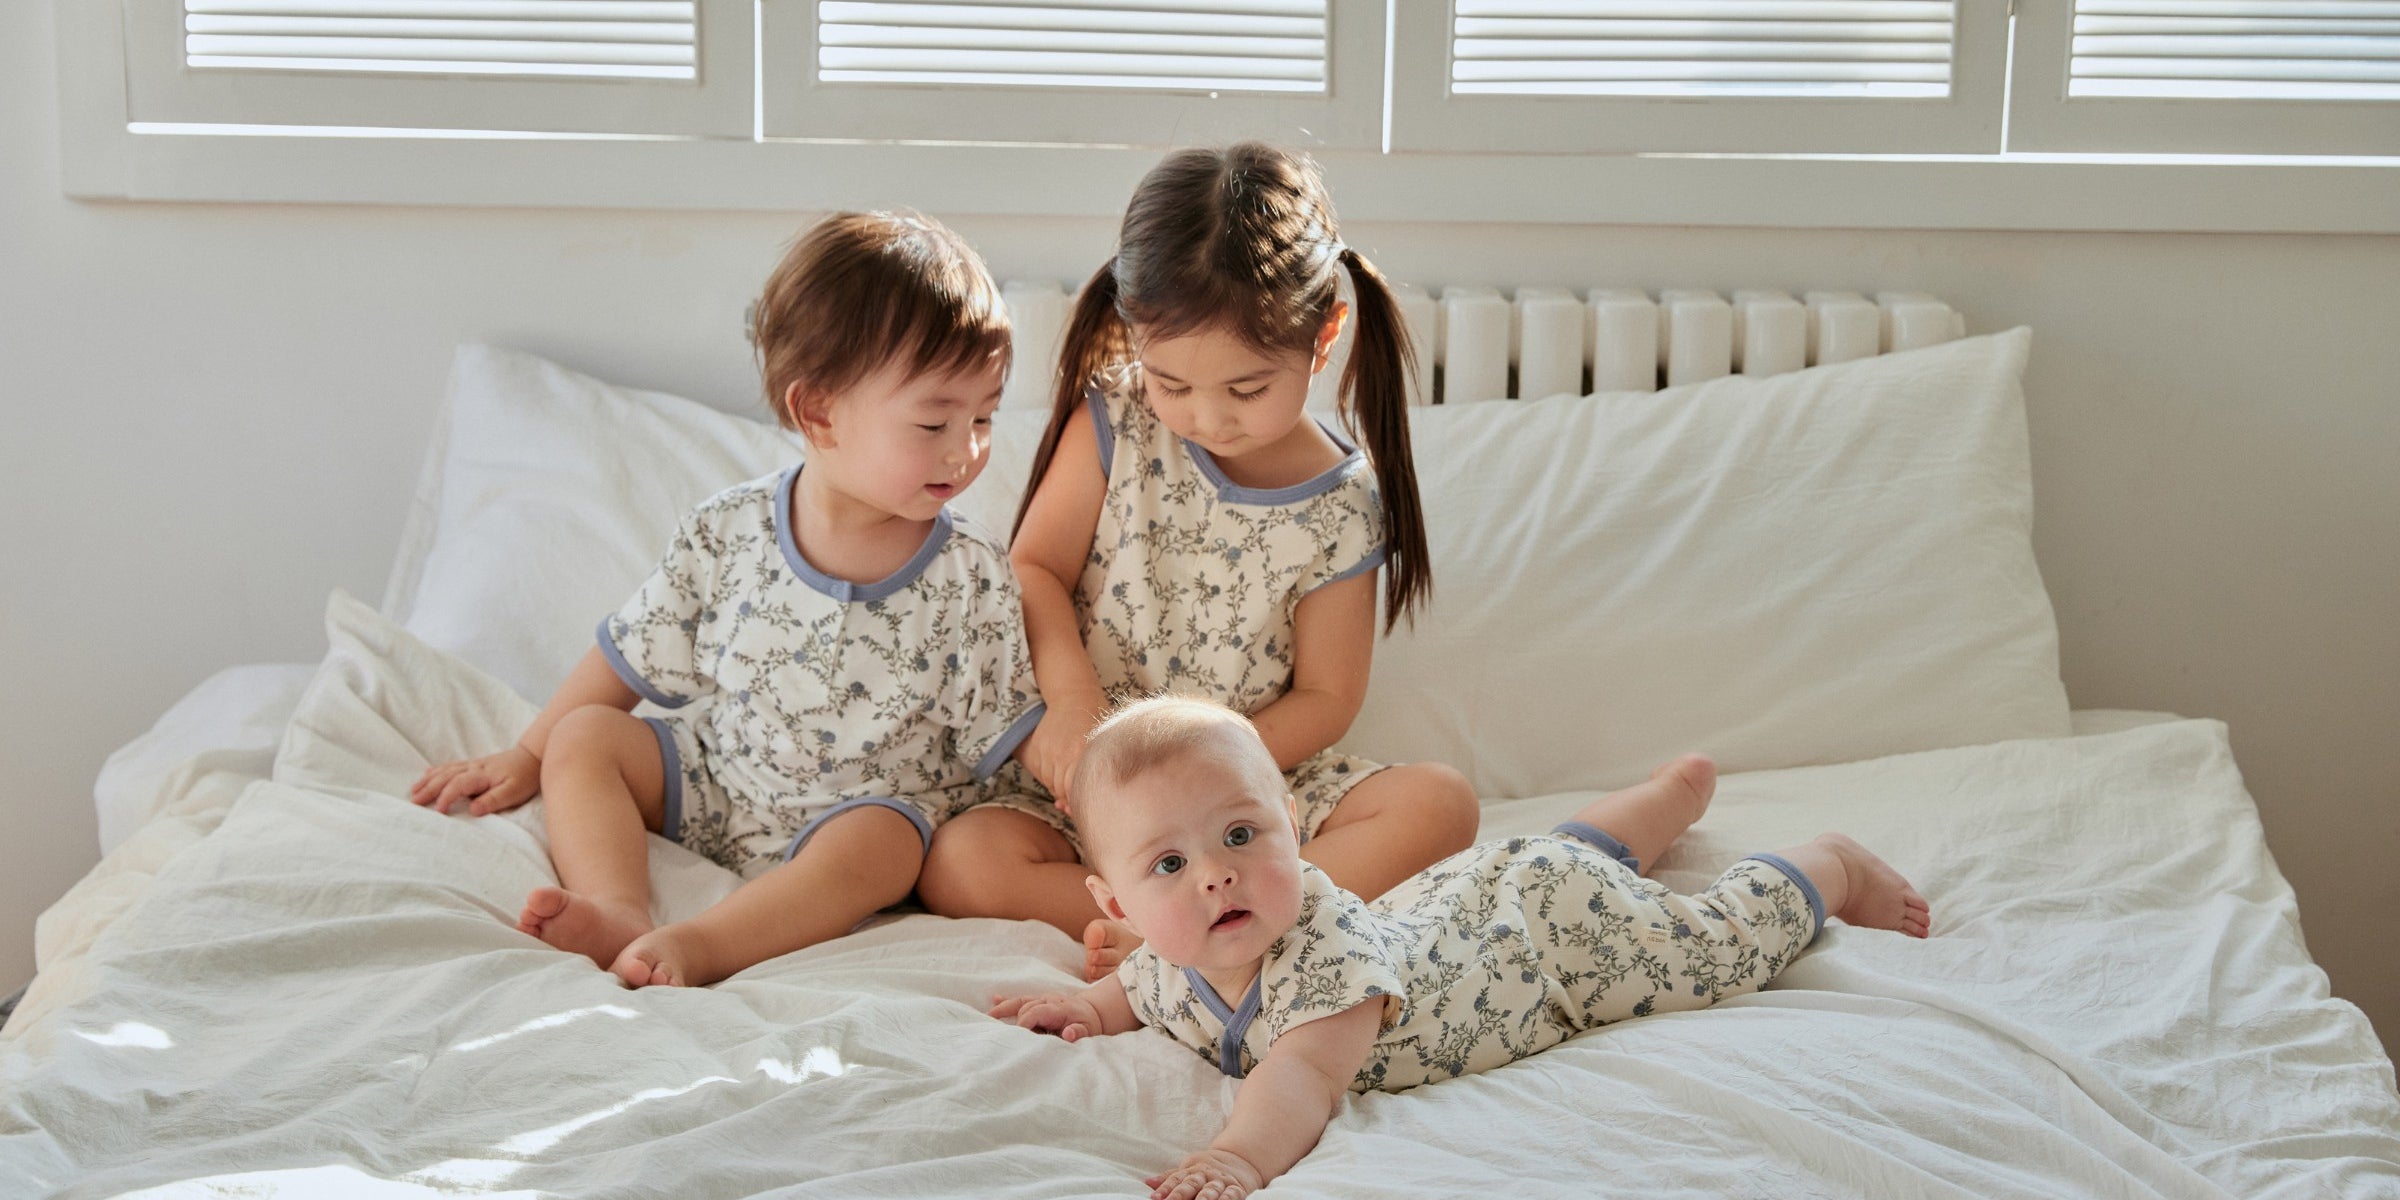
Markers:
(1474, 343)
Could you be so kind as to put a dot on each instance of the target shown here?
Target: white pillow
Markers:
(1817, 567)
(549, 495)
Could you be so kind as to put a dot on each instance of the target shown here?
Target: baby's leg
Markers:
(1647, 817)
(1860, 888)
(856, 864)
(991, 861)
(1393, 824)
(603, 788)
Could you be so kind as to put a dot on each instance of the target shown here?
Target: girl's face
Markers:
(1216, 390)
(1200, 859)
(906, 444)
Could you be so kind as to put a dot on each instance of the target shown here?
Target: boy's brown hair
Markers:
(858, 290)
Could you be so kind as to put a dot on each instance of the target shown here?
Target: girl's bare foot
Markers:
(663, 957)
(1105, 944)
(581, 924)
(1877, 897)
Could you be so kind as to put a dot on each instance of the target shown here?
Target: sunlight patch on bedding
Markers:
(129, 1033)
(820, 1063)
(303, 1183)
(538, 1140)
(552, 1021)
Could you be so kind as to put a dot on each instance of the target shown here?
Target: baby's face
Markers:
(1200, 858)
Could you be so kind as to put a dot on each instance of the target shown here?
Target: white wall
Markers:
(213, 415)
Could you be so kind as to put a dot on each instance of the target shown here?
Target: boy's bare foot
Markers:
(1878, 897)
(1697, 773)
(585, 925)
(663, 957)
(1105, 944)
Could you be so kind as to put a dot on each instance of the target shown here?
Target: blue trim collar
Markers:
(842, 589)
(1234, 493)
(1237, 1021)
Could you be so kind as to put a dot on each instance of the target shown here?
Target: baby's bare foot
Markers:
(1697, 776)
(663, 957)
(1105, 945)
(586, 925)
(1878, 896)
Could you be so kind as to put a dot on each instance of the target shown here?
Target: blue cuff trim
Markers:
(1015, 735)
(924, 827)
(1096, 403)
(1816, 903)
(1365, 565)
(1601, 839)
(670, 823)
(633, 679)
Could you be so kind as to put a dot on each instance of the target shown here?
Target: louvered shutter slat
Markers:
(1682, 47)
(1242, 45)
(2226, 49)
(571, 38)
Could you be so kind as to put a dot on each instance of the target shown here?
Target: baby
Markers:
(1258, 963)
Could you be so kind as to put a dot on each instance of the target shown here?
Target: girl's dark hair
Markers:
(856, 291)
(1243, 239)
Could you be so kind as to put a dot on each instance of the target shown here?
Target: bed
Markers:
(283, 980)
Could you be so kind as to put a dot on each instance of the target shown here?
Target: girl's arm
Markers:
(1282, 1108)
(1100, 1010)
(505, 780)
(1333, 645)
(1048, 554)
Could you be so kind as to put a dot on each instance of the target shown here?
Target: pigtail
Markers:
(1374, 406)
(1096, 340)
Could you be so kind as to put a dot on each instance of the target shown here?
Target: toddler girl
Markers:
(1189, 527)
(858, 657)
(1263, 966)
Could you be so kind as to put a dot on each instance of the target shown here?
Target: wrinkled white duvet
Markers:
(324, 997)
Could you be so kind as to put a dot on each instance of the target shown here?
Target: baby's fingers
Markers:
(1005, 1007)
(463, 787)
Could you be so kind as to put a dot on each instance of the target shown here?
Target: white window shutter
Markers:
(1764, 76)
(1307, 72)
(644, 67)
(2208, 77)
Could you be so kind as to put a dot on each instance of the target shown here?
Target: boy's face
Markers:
(1201, 859)
(906, 444)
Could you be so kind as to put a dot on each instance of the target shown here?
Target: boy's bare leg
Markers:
(853, 866)
(603, 788)
(1859, 887)
(1393, 824)
(1650, 815)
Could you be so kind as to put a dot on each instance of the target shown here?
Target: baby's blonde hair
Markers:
(1142, 736)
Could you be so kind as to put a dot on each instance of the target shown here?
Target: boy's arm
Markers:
(502, 781)
(1333, 646)
(1284, 1105)
(1048, 553)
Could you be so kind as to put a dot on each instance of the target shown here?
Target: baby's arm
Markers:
(497, 782)
(1048, 553)
(1282, 1107)
(1333, 645)
(1098, 1010)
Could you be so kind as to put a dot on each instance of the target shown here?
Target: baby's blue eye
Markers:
(1167, 865)
(1239, 835)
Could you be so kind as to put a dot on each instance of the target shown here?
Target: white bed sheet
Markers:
(322, 996)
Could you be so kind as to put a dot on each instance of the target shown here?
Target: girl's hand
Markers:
(493, 783)
(1055, 746)
(1207, 1175)
(1068, 1016)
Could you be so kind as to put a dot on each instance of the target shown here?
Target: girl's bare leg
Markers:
(603, 789)
(855, 865)
(1859, 887)
(1650, 815)
(998, 862)
(1393, 824)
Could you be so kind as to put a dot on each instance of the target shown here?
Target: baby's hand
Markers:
(493, 783)
(1068, 1016)
(1207, 1175)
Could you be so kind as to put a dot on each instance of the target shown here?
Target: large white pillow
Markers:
(1817, 567)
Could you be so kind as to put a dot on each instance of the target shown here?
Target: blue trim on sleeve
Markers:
(1602, 839)
(1816, 903)
(632, 678)
(1096, 402)
(1013, 737)
(670, 824)
(842, 589)
(924, 827)
(1369, 563)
